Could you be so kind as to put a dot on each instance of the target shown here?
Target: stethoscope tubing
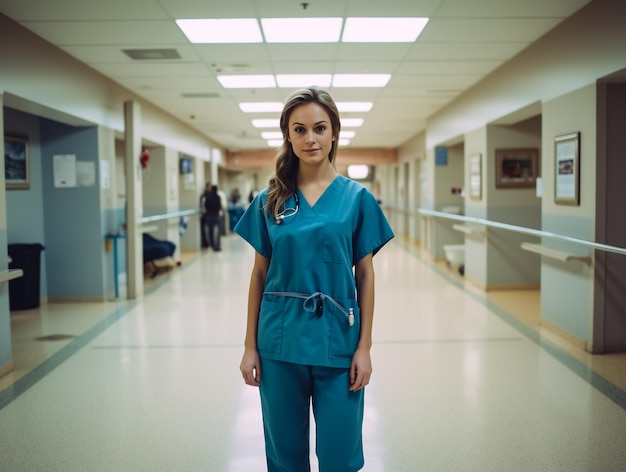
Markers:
(282, 215)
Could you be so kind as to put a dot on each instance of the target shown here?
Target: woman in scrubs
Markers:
(311, 296)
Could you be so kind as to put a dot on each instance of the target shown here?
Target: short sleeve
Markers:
(252, 226)
(373, 230)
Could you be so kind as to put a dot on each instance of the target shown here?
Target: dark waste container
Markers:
(25, 291)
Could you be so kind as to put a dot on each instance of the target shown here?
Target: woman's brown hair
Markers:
(283, 184)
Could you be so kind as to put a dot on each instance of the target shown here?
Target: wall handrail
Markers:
(521, 229)
(6, 275)
(167, 216)
(470, 231)
(554, 253)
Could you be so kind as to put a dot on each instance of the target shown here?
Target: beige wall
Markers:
(42, 80)
(583, 48)
(573, 112)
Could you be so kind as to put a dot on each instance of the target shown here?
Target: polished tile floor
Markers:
(461, 383)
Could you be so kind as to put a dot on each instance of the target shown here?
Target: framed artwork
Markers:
(475, 177)
(567, 171)
(517, 168)
(16, 163)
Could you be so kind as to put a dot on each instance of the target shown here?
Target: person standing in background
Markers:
(212, 210)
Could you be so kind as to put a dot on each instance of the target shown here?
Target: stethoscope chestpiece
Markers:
(288, 212)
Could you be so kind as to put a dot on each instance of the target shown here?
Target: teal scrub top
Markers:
(314, 251)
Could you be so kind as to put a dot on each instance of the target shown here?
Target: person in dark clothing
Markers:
(211, 205)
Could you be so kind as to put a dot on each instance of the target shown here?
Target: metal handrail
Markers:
(521, 229)
(167, 216)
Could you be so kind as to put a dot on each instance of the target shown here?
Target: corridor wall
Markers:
(508, 265)
(160, 183)
(609, 327)
(567, 288)
(30, 229)
(73, 221)
(6, 362)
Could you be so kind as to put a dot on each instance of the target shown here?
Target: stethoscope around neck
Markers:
(289, 212)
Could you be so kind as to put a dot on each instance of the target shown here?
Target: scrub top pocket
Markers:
(335, 248)
(270, 327)
(343, 337)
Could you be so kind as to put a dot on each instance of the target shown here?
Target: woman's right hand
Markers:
(251, 367)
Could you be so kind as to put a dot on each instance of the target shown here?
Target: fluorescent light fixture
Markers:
(360, 80)
(354, 106)
(343, 142)
(247, 81)
(272, 135)
(383, 30)
(303, 80)
(301, 30)
(351, 122)
(223, 30)
(274, 143)
(358, 171)
(261, 107)
(266, 123)
(346, 134)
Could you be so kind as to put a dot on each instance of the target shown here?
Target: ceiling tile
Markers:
(462, 43)
(79, 33)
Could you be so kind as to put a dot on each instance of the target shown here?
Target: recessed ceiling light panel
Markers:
(221, 30)
(354, 106)
(274, 143)
(266, 123)
(247, 81)
(301, 30)
(351, 122)
(303, 80)
(261, 107)
(361, 80)
(383, 30)
(272, 135)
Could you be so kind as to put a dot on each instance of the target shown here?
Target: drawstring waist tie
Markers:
(313, 303)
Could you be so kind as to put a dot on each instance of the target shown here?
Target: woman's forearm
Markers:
(255, 295)
(364, 273)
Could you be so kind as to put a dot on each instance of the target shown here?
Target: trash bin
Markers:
(25, 291)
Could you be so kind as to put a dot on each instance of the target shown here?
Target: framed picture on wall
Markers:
(475, 177)
(567, 171)
(16, 163)
(517, 168)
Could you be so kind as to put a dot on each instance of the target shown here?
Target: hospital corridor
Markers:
(461, 382)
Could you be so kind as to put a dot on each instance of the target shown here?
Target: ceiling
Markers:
(463, 42)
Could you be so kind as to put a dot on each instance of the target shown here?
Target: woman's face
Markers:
(311, 133)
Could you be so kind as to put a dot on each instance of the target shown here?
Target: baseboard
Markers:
(78, 299)
(615, 347)
(501, 287)
(566, 335)
(493, 288)
(6, 368)
(605, 348)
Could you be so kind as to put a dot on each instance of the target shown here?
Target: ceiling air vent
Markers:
(231, 68)
(151, 54)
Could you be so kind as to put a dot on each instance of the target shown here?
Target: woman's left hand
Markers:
(361, 369)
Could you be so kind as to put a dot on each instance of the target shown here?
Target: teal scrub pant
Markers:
(287, 390)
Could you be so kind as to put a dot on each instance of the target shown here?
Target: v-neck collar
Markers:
(325, 194)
